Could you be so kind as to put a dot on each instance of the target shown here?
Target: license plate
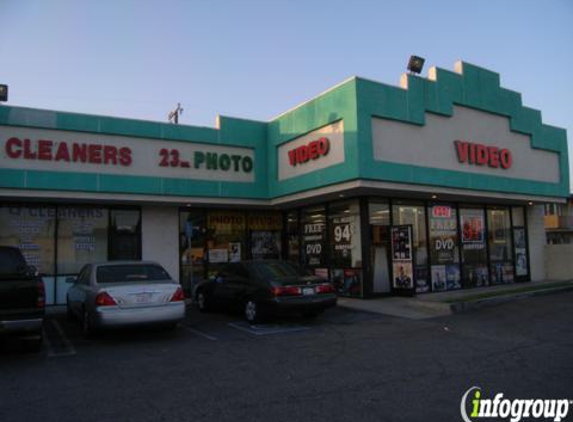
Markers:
(308, 291)
(143, 298)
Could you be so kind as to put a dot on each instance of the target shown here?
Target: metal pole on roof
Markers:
(174, 115)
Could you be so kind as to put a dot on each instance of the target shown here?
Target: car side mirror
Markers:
(71, 280)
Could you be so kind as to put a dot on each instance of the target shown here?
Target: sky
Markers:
(258, 58)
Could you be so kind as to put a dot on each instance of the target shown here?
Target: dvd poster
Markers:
(473, 227)
(403, 275)
(453, 277)
(438, 278)
(520, 252)
(476, 275)
(401, 243)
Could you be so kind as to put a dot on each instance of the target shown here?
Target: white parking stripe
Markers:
(201, 333)
(67, 350)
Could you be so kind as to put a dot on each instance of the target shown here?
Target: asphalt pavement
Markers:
(346, 365)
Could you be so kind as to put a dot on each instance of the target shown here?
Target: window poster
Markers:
(402, 258)
(402, 243)
(313, 239)
(266, 244)
(473, 227)
(438, 278)
(521, 267)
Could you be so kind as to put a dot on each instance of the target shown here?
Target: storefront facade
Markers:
(435, 185)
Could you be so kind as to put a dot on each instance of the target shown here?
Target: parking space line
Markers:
(67, 349)
(261, 331)
(201, 333)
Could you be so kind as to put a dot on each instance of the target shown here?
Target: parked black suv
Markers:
(22, 299)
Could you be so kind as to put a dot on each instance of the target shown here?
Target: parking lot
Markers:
(345, 365)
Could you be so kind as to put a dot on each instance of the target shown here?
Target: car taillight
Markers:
(41, 295)
(178, 296)
(287, 291)
(104, 299)
(324, 288)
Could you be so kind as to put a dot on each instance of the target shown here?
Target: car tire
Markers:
(203, 302)
(251, 311)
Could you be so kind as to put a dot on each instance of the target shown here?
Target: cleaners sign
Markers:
(60, 151)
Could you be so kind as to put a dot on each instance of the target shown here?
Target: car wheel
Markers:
(251, 310)
(203, 302)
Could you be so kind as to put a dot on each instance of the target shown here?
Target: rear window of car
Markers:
(11, 262)
(130, 273)
(279, 270)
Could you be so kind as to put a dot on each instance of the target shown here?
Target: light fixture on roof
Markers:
(415, 64)
(3, 93)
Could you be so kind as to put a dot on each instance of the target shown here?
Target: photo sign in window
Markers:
(402, 258)
(444, 248)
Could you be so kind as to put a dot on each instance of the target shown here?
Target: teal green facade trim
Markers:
(475, 88)
(231, 132)
(355, 102)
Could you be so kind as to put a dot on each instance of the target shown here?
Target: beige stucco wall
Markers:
(559, 262)
(160, 237)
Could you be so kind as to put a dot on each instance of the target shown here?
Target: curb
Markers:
(458, 307)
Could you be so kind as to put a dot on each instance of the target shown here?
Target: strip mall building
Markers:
(435, 185)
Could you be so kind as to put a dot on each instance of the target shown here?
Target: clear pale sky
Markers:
(256, 59)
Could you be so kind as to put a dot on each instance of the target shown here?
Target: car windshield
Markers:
(279, 270)
(130, 273)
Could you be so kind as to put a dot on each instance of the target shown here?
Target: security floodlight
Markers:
(415, 64)
(3, 93)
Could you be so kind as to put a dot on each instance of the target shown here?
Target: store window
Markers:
(293, 237)
(32, 230)
(265, 231)
(346, 247)
(314, 250)
(125, 235)
(444, 251)
(192, 242)
(500, 245)
(379, 219)
(226, 238)
(414, 214)
(82, 238)
(474, 251)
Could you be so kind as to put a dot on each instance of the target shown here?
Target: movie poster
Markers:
(402, 258)
(438, 278)
(473, 226)
(402, 243)
(521, 267)
(403, 275)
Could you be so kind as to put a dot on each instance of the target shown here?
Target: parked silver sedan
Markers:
(125, 293)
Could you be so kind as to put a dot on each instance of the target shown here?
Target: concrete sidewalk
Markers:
(433, 305)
